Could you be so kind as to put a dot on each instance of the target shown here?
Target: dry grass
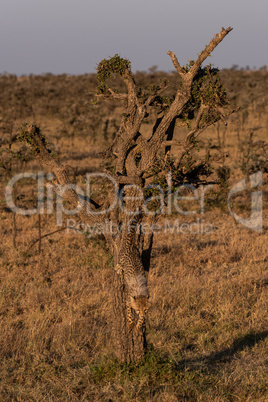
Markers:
(207, 322)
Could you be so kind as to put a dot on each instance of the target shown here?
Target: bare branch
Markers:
(196, 127)
(46, 235)
(208, 49)
(32, 135)
(197, 130)
(182, 96)
(117, 95)
(154, 177)
(160, 133)
(123, 179)
(112, 95)
(176, 64)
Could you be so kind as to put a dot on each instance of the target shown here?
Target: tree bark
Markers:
(130, 346)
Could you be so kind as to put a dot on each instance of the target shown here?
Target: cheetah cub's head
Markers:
(139, 304)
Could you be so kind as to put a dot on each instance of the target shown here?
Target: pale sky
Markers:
(73, 36)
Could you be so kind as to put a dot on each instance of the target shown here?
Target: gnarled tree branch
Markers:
(176, 64)
(208, 49)
(37, 141)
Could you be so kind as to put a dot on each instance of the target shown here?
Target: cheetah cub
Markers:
(140, 305)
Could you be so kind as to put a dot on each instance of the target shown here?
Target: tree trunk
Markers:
(130, 346)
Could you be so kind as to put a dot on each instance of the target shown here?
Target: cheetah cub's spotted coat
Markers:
(139, 305)
(129, 263)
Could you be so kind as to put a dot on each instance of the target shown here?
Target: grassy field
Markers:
(207, 321)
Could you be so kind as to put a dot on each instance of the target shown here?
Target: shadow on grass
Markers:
(226, 355)
(158, 369)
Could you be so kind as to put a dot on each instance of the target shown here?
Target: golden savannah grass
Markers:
(207, 316)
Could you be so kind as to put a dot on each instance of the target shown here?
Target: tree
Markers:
(137, 165)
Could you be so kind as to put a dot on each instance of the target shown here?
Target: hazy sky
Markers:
(72, 36)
